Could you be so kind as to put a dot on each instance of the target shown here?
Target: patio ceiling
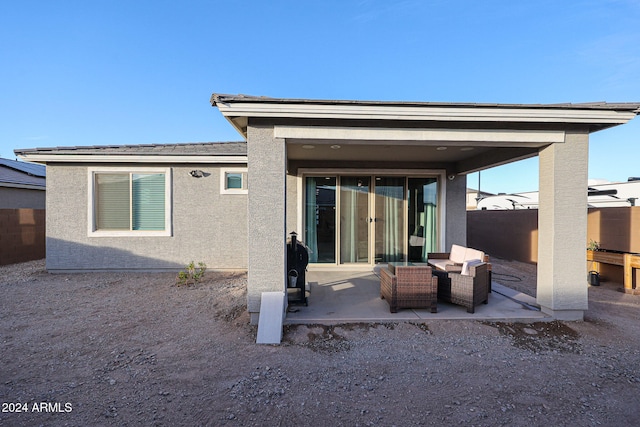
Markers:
(314, 150)
(464, 150)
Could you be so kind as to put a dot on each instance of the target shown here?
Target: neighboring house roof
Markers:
(28, 168)
(203, 152)
(22, 174)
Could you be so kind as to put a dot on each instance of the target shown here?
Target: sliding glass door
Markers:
(355, 219)
(422, 212)
(320, 219)
(368, 219)
(389, 218)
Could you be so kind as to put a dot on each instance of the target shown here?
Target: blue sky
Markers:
(133, 72)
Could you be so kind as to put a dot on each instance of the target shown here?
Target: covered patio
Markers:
(354, 296)
(294, 145)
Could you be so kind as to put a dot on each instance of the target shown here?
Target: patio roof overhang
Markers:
(469, 136)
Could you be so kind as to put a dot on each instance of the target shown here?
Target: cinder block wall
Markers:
(505, 234)
(513, 234)
(22, 235)
(615, 228)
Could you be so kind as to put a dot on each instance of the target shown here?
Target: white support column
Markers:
(266, 217)
(562, 228)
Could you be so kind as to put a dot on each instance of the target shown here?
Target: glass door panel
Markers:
(389, 219)
(320, 218)
(354, 219)
(423, 221)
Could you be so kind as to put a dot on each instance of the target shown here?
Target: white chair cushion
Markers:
(473, 254)
(457, 254)
(440, 264)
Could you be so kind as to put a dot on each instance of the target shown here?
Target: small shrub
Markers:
(191, 274)
(593, 245)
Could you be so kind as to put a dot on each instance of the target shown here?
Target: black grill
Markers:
(297, 261)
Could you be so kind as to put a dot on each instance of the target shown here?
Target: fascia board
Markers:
(24, 186)
(480, 137)
(376, 112)
(96, 158)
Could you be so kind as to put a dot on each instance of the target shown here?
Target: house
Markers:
(145, 207)
(357, 180)
(599, 195)
(22, 218)
(22, 185)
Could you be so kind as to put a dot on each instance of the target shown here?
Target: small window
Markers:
(233, 181)
(129, 202)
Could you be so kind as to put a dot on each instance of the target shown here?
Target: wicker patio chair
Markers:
(443, 275)
(409, 287)
(466, 290)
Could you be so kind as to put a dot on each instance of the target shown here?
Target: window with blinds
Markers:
(147, 202)
(130, 201)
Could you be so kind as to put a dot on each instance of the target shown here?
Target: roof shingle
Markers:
(22, 173)
(183, 149)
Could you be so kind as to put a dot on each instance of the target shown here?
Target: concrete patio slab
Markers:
(354, 296)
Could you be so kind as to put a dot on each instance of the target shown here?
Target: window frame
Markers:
(223, 181)
(92, 230)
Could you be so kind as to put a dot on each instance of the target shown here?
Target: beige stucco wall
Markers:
(207, 226)
(267, 215)
(292, 205)
(562, 225)
(456, 212)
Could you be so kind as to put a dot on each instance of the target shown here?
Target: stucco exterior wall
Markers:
(21, 198)
(456, 212)
(292, 206)
(267, 216)
(562, 224)
(207, 226)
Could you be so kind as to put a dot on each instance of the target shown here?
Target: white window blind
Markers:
(113, 202)
(130, 201)
(234, 180)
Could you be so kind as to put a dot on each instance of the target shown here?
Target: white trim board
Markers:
(112, 158)
(399, 112)
(370, 136)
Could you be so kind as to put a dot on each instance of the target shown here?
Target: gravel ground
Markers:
(134, 349)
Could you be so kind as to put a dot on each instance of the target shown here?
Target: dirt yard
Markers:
(134, 349)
